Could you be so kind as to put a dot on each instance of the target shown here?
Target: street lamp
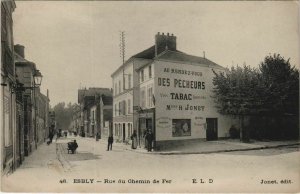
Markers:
(37, 78)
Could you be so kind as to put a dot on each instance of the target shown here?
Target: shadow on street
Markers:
(79, 156)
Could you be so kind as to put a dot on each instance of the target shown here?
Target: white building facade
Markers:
(126, 98)
(176, 98)
(170, 94)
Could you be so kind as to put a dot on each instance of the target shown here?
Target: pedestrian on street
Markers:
(145, 139)
(97, 136)
(149, 138)
(110, 142)
(50, 137)
(134, 140)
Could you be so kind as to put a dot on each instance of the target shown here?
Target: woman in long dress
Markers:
(134, 140)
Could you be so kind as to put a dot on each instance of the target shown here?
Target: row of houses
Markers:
(93, 116)
(168, 92)
(161, 89)
(25, 118)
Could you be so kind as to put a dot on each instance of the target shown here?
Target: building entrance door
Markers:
(212, 129)
(149, 124)
(124, 135)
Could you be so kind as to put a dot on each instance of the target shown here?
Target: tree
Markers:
(236, 93)
(63, 114)
(271, 90)
(281, 86)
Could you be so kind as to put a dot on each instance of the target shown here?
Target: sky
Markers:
(75, 44)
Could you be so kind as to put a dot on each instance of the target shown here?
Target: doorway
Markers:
(124, 132)
(212, 129)
(149, 124)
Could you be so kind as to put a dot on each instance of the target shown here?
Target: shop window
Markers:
(181, 127)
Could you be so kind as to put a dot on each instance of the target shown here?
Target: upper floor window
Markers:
(120, 107)
(116, 109)
(120, 86)
(116, 88)
(142, 75)
(129, 81)
(128, 106)
(124, 108)
(150, 71)
(150, 96)
(143, 98)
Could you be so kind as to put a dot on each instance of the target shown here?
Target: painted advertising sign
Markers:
(181, 93)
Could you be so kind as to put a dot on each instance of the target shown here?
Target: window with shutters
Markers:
(116, 88)
(124, 107)
(129, 81)
(150, 71)
(120, 107)
(143, 98)
(128, 106)
(142, 75)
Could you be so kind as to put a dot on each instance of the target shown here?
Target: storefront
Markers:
(184, 105)
(146, 122)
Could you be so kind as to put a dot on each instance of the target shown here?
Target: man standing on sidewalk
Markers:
(110, 142)
(149, 138)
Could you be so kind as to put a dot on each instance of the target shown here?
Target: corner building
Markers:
(174, 92)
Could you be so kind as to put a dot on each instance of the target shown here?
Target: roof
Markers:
(170, 55)
(93, 92)
(146, 54)
(45, 97)
(149, 53)
(107, 100)
(20, 61)
(180, 56)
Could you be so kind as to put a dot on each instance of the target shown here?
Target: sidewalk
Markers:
(203, 147)
(207, 147)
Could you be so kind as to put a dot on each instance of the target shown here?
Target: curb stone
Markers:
(216, 151)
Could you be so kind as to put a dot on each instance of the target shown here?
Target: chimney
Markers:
(163, 42)
(20, 50)
(47, 93)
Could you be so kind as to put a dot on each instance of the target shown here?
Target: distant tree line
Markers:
(265, 99)
(63, 114)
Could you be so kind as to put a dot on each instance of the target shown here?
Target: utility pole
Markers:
(122, 53)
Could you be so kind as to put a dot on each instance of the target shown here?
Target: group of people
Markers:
(148, 135)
